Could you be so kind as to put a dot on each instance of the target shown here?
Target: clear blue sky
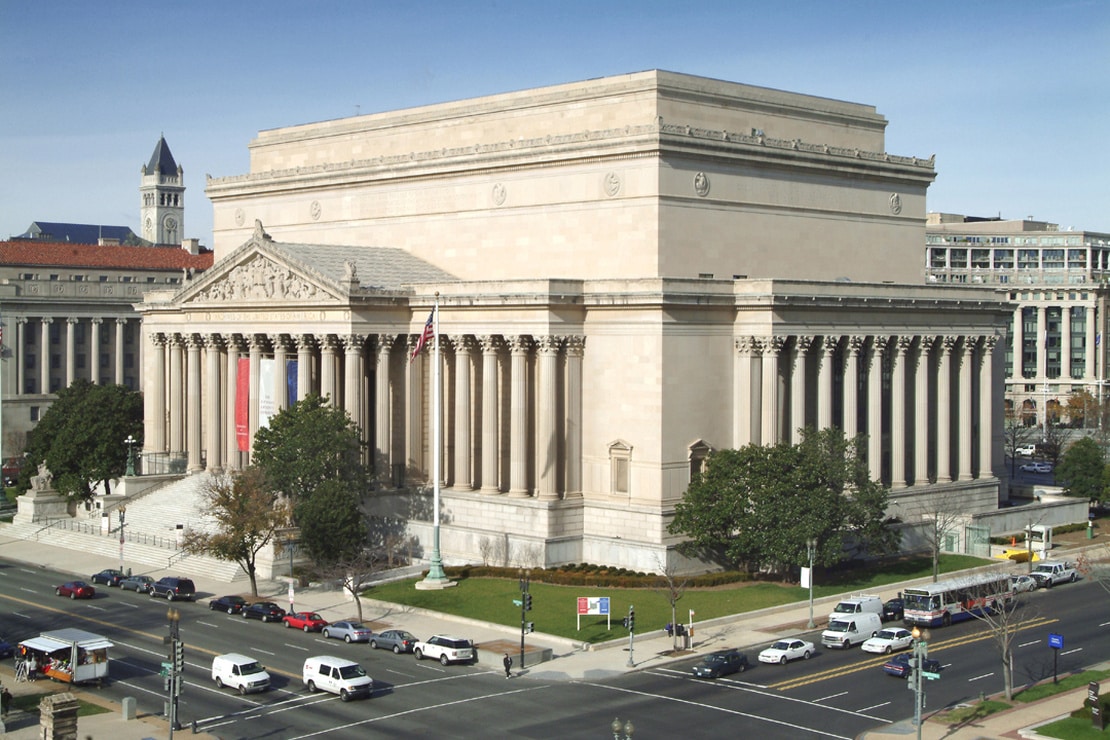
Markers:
(1013, 96)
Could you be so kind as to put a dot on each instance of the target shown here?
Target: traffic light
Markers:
(527, 602)
(624, 622)
(178, 656)
(530, 627)
(631, 619)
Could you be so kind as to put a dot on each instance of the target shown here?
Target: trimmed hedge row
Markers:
(593, 575)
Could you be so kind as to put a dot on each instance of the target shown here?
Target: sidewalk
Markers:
(571, 660)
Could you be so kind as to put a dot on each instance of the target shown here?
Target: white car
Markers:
(1038, 467)
(445, 649)
(889, 640)
(1023, 583)
(785, 650)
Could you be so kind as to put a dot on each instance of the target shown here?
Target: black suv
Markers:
(174, 587)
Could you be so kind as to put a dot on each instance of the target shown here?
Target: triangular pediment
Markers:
(259, 277)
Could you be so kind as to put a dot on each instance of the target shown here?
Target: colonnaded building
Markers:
(631, 272)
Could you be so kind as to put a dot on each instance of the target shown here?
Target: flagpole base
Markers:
(436, 579)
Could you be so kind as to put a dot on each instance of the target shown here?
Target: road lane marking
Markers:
(736, 712)
(1031, 642)
(985, 675)
(296, 647)
(873, 706)
(264, 652)
(831, 696)
(207, 624)
(1069, 652)
(875, 662)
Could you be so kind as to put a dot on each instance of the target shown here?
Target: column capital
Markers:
(989, 342)
(549, 344)
(830, 344)
(98, 320)
(304, 342)
(121, 321)
(576, 345)
(71, 320)
(158, 339)
(352, 343)
(193, 341)
(234, 342)
(257, 341)
(329, 342)
(489, 343)
(856, 343)
(214, 340)
(905, 344)
(279, 340)
(520, 344)
(769, 345)
(950, 343)
(46, 320)
(384, 342)
(802, 342)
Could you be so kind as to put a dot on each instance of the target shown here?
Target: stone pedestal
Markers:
(58, 717)
(42, 501)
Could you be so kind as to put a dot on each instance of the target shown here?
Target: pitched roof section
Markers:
(375, 268)
(162, 159)
(57, 231)
(54, 254)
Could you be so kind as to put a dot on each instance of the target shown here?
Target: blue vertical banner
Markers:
(290, 383)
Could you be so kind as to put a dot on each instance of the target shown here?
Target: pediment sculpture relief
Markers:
(259, 279)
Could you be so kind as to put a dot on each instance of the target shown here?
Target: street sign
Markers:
(930, 675)
(518, 602)
(166, 668)
(1055, 640)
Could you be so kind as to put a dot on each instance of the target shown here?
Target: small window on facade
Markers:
(103, 278)
(34, 413)
(698, 454)
(620, 456)
(125, 279)
(78, 278)
(54, 277)
(150, 279)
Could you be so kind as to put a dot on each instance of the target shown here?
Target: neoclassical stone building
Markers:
(630, 271)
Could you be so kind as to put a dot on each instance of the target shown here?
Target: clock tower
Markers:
(162, 191)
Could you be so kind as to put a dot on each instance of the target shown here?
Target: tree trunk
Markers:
(249, 567)
(1008, 675)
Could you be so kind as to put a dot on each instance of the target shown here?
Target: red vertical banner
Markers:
(243, 404)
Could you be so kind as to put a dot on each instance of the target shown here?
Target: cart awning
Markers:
(47, 644)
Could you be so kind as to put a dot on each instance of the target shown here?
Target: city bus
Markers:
(942, 603)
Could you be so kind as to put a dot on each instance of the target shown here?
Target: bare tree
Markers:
(1016, 434)
(353, 574)
(1055, 441)
(485, 547)
(673, 589)
(247, 514)
(1003, 618)
(940, 515)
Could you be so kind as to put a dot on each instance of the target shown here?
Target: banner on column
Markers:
(290, 383)
(267, 400)
(243, 404)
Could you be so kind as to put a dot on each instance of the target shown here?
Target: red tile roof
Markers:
(61, 254)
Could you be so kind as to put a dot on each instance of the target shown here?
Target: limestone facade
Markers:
(630, 272)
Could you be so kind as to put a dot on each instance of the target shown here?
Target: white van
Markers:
(239, 672)
(337, 675)
(851, 629)
(858, 604)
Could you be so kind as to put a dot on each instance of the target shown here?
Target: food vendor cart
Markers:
(69, 655)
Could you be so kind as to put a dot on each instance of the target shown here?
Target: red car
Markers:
(76, 590)
(307, 621)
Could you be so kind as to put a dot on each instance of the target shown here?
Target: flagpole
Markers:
(436, 577)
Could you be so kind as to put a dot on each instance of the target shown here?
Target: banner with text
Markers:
(590, 605)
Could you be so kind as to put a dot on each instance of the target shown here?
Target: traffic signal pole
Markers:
(525, 607)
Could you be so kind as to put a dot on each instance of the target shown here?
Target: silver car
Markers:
(348, 631)
(138, 584)
(399, 641)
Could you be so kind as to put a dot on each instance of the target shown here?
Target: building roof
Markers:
(57, 231)
(162, 159)
(60, 254)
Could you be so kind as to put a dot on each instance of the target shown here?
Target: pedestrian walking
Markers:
(508, 663)
(5, 701)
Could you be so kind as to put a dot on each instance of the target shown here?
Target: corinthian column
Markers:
(898, 414)
(967, 370)
(44, 354)
(769, 432)
(944, 409)
(257, 345)
(352, 376)
(305, 344)
(234, 347)
(214, 442)
(464, 477)
(825, 382)
(177, 416)
(875, 406)
(798, 388)
(547, 441)
(328, 347)
(154, 397)
(575, 349)
(518, 416)
(490, 467)
(383, 435)
(851, 387)
(192, 415)
(94, 351)
(921, 412)
(986, 407)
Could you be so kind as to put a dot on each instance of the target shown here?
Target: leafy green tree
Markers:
(247, 515)
(758, 506)
(1081, 470)
(309, 443)
(80, 437)
(333, 529)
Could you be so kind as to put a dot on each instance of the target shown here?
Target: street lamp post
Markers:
(811, 550)
(917, 666)
(1044, 413)
(176, 665)
(130, 442)
(616, 727)
(122, 510)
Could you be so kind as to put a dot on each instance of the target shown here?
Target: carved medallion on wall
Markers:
(895, 203)
(612, 184)
(240, 217)
(701, 184)
(499, 194)
(315, 210)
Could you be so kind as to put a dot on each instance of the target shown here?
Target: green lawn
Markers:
(555, 607)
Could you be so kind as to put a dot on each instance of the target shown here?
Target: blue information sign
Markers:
(603, 603)
(1055, 640)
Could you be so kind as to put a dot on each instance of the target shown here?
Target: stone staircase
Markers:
(151, 533)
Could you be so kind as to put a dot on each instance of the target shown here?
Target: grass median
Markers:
(555, 608)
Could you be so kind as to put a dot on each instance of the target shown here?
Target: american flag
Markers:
(429, 328)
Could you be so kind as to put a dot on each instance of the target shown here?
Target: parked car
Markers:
(138, 584)
(889, 640)
(721, 663)
(445, 649)
(337, 675)
(1036, 467)
(231, 604)
(899, 665)
(7, 649)
(784, 650)
(399, 641)
(173, 588)
(267, 611)
(348, 631)
(1050, 572)
(1023, 583)
(893, 610)
(307, 621)
(109, 577)
(1026, 450)
(76, 590)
